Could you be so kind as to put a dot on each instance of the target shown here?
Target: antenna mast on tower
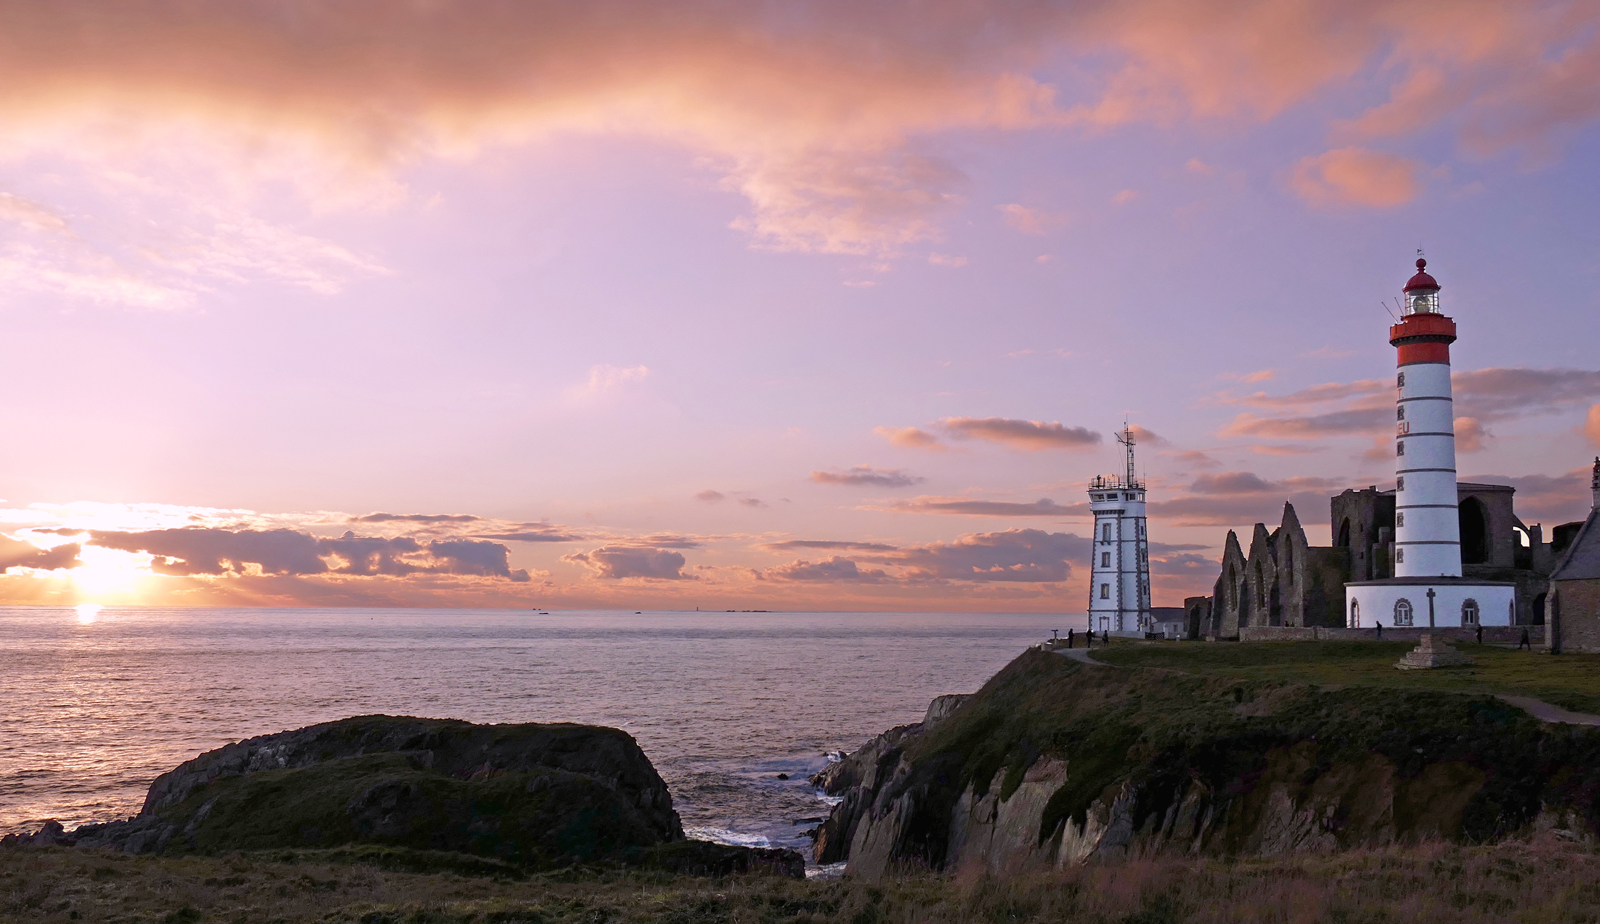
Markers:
(1126, 439)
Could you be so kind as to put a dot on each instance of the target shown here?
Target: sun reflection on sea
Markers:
(88, 612)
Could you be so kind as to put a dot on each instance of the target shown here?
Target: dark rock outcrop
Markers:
(862, 772)
(532, 795)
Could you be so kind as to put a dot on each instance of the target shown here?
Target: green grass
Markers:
(1235, 712)
(1571, 681)
(1536, 882)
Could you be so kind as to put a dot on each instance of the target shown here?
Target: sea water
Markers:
(97, 704)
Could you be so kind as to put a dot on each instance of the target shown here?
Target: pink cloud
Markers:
(1194, 458)
(1030, 435)
(831, 570)
(968, 507)
(1470, 434)
(1356, 176)
(1319, 426)
(1143, 437)
(1316, 394)
(1031, 221)
(614, 563)
(820, 137)
(909, 437)
(867, 475)
(1591, 424)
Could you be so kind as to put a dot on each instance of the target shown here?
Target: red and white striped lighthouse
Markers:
(1426, 587)
(1427, 535)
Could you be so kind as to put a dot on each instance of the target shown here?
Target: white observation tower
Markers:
(1119, 573)
(1427, 588)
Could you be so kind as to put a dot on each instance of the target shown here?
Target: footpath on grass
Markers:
(1538, 708)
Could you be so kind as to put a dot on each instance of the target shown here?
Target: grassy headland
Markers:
(1571, 681)
(1533, 882)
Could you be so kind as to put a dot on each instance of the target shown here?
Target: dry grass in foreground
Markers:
(1528, 882)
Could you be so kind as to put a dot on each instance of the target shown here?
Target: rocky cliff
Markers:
(534, 795)
(1055, 762)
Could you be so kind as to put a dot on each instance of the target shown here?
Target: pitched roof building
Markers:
(1573, 620)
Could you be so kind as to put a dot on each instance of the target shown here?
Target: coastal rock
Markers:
(1052, 765)
(943, 707)
(533, 795)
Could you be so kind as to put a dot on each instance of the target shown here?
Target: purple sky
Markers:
(799, 305)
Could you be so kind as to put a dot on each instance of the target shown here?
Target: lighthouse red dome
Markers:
(1421, 280)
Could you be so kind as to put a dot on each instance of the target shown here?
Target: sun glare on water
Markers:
(87, 612)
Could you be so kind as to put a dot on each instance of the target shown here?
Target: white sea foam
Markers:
(829, 801)
(724, 836)
(828, 871)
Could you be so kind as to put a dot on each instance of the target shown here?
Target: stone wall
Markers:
(1499, 635)
(1576, 608)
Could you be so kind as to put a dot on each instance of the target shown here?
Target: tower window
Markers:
(1399, 519)
(1400, 448)
(1400, 380)
(1105, 559)
(1400, 483)
(1105, 591)
(1399, 555)
(1105, 533)
(1400, 412)
(1402, 612)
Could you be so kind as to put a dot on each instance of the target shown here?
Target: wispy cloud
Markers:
(909, 437)
(867, 475)
(1031, 221)
(1356, 177)
(1030, 435)
(828, 545)
(968, 507)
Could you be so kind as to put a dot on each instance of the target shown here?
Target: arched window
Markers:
(1344, 534)
(1473, 518)
(1355, 615)
(1261, 586)
(1402, 612)
(1469, 612)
